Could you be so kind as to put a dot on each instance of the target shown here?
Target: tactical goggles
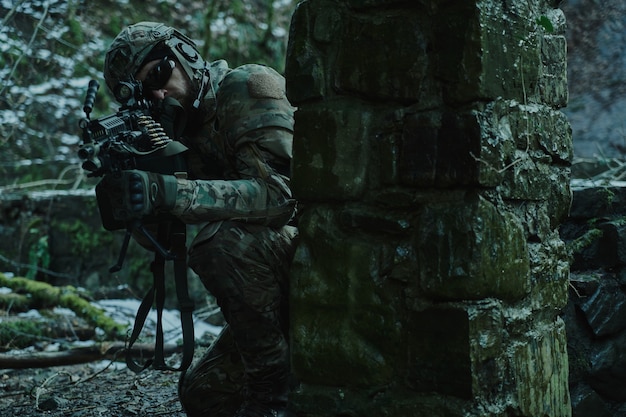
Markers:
(160, 74)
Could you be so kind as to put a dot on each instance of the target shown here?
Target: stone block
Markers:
(613, 243)
(465, 156)
(598, 202)
(607, 375)
(370, 219)
(345, 321)
(336, 347)
(528, 179)
(540, 372)
(553, 82)
(599, 244)
(333, 267)
(405, 81)
(443, 149)
(455, 349)
(587, 403)
(472, 250)
(324, 401)
(304, 67)
(305, 76)
(417, 154)
(535, 217)
(549, 274)
(502, 144)
(326, 24)
(331, 152)
(439, 352)
(324, 55)
(538, 129)
(486, 51)
(605, 310)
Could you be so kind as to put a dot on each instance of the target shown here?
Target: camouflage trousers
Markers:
(246, 268)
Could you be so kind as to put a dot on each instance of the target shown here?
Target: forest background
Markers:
(50, 49)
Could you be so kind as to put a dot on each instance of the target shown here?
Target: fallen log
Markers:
(80, 355)
(15, 302)
(20, 332)
(46, 295)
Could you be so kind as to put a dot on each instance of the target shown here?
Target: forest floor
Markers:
(103, 388)
(94, 385)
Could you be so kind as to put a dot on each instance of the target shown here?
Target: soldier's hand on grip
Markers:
(136, 194)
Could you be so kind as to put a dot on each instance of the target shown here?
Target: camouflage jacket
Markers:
(239, 161)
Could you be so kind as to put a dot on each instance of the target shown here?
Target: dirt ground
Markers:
(104, 388)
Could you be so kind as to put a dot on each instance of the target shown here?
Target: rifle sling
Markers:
(174, 234)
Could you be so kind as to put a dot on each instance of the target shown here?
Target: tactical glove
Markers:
(135, 194)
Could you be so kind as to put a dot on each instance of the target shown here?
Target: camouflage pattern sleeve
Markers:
(256, 199)
(256, 127)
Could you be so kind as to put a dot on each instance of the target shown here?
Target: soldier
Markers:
(238, 126)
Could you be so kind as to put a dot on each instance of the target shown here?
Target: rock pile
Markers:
(595, 316)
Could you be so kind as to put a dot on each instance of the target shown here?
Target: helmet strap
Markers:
(205, 86)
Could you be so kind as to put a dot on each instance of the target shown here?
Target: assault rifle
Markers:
(132, 139)
(129, 139)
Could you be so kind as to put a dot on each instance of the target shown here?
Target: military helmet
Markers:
(145, 41)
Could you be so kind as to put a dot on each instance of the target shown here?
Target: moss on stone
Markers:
(584, 241)
(46, 295)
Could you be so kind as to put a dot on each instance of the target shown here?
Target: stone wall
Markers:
(57, 237)
(60, 234)
(432, 162)
(596, 312)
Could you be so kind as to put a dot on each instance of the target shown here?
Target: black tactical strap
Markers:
(174, 234)
(185, 304)
(142, 313)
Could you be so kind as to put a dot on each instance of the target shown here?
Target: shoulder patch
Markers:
(261, 85)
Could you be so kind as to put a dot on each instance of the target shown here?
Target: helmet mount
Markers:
(187, 51)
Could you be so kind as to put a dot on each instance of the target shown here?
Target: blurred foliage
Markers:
(49, 49)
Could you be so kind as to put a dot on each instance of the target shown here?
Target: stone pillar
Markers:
(432, 164)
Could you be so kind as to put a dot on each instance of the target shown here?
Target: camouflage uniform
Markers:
(238, 186)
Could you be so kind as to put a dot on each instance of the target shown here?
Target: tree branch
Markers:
(79, 355)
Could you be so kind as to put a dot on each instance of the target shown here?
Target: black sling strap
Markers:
(174, 235)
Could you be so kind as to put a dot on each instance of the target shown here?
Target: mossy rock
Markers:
(43, 295)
